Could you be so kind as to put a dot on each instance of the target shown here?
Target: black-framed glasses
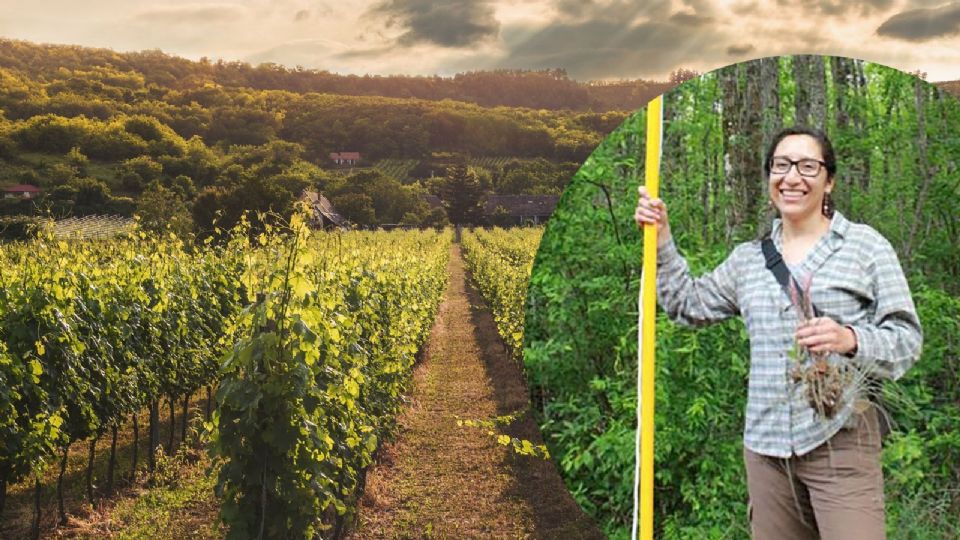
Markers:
(806, 167)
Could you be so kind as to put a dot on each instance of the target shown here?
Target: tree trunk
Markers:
(153, 435)
(63, 468)
(730, 98)
(743, 145)
(923, 164)
(841, 72)
(136, 446)
(751, 128)
(810, 98)
(771, 121)
(173, 424)
(93, 450)
(186, 408)
(35, 528)
(113, 458)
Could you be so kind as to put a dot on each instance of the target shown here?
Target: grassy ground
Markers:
(181, 504)
(179, 479)
(442, 480)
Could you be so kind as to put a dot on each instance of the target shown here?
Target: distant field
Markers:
(493, 163)
(92, 227)
(401, 169)
(397, 168)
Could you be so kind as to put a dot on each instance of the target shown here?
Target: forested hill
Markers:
(100, 132)
(546, 89)
(542, 89)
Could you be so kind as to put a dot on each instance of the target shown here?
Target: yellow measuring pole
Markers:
(648, 313)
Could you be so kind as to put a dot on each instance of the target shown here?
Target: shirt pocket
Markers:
(846, 298)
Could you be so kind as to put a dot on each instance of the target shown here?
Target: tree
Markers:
(183, 186)
(161, 210)
(356, 207)
(461, 194)
(139, 172)
(78, 161)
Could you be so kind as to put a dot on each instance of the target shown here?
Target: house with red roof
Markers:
(345, 158)
(21, 191)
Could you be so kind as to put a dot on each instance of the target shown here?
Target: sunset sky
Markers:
(602, 39)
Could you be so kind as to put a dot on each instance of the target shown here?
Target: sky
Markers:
(591, 39)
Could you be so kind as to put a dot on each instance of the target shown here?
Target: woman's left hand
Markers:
(823, 334)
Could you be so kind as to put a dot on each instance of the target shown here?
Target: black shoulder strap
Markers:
(779, 269)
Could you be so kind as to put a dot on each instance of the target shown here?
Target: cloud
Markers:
(452, 23)
(923, 24)
(740, 50)
(600, 49)
(301, 15)
(840, 7)
(571, 11)
(189, 14)
(689, 19)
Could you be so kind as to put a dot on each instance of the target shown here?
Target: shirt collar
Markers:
(838, 227)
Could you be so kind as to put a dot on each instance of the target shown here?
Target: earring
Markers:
(827, 206)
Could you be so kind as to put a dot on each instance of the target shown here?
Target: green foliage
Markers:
(92, 331)
(369, 197)
(538, 177)
(137, 173)
(78, 161)
(20, 227)
(317, 376)
(461, 192)
(163, 210)
(500, 262)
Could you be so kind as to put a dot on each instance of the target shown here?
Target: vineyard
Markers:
(396, 168)
(307, 337)
(492, 163)
(89, 227)
(401, 168)
(500, 261)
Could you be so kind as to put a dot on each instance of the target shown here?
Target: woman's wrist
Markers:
(663, 236)
(851, 351)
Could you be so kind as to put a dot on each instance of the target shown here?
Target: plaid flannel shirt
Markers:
(857, 281)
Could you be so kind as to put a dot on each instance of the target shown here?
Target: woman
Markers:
(810, 473)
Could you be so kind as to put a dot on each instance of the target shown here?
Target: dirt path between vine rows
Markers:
(440, 480)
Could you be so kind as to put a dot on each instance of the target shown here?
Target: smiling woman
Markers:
(803, 408)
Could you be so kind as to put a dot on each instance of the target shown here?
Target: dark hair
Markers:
(825, 147)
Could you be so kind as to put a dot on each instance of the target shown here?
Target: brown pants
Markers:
(833, 493)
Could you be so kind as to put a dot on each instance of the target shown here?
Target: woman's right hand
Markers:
(652, 212)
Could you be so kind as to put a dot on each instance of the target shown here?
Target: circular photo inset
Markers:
(829, 403)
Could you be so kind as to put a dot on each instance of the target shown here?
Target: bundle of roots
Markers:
(824, 383)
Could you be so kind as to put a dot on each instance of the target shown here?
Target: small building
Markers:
(21, 191)
(324, 215)
(432, 201)
(519, 209)
(345, 158)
